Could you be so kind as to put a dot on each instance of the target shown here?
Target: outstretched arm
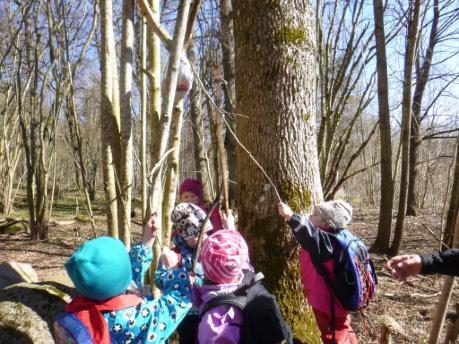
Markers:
(312, 239)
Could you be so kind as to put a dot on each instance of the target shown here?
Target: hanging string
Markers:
(223, 113)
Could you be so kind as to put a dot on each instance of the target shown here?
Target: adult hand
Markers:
(401, 267)
(284, 211)
(150, 230)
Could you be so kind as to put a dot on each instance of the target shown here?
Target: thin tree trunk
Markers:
(447, 290)
(228, 85)
(275, 87)
(453, 205)
(410, 55)
(422, 77)
(143, 118)
(198, 134)
(170, 186)
(124, 173)
(382, 241)
(109, 114)
(169, 93)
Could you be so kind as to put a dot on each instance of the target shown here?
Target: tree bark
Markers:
(453, 205)
(275, 87)
(124, 173)
(382, 241)
(170, 185)
(228, 85)
(109, 114)
(198, 135)
(169, 93)
(422, 77)
(410, 56)
(446, 293)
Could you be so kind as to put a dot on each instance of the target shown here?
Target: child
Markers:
(191, 192)
(224, 256)
(188, 220)
(315, 234)
(101, 270)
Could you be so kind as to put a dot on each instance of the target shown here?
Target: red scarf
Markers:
(89, 312)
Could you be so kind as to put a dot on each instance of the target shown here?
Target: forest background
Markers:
(300, 101)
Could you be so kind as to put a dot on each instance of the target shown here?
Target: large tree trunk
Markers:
(227, 42)
(109, 114)
(410, 55)
(382, 241)
(275, 89)
(124, 173)
(422, 77)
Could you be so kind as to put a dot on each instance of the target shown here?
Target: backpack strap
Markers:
(238, 297)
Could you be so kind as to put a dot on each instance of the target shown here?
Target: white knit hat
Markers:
(337, 213)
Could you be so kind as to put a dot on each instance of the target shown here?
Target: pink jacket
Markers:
(316, 241)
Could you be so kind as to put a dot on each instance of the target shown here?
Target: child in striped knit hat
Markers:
(224, 257)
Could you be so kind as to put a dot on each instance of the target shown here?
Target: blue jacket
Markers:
(152, 321)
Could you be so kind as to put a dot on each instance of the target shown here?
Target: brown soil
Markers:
(411, 305)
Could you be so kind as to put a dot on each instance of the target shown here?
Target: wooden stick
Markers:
(206, 221)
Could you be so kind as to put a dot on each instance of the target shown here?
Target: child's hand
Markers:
(228, 220)
(284, 211)
(150, 230)
(169, 258)
(401, 267)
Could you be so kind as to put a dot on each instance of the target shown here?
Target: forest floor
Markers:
(412, 304)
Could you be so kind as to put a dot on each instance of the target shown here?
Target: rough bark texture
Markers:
(410, 54)
(382, 241)
(275, 87)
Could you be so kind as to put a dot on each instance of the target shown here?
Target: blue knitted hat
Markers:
(100, 268)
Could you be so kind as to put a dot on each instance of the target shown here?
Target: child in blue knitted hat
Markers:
(102, 269)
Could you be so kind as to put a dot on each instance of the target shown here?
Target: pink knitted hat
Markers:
(191, 185)
(223, 256)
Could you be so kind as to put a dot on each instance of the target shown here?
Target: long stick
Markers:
(223, 113)
(206, 221)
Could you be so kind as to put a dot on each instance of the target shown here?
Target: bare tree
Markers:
(382, 241)
(410, 56)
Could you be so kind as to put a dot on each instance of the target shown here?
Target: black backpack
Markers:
(263, 321)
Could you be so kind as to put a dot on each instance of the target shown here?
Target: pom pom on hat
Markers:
(224, 255)
(337, 213)
(193, 186)
(100, 269)
(188, 220)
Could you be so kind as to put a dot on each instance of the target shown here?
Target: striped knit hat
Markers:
(223, 256)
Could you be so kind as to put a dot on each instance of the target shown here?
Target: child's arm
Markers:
(312, 239)
(141, 254)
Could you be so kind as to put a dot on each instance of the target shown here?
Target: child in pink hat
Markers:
(224, 257)
(190, 191)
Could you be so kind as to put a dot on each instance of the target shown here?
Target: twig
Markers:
(206, 221)
(223, 113)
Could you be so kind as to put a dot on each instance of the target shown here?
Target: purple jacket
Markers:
(221, 324)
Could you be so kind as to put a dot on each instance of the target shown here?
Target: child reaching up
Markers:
(188, 220)
(101, 270)
(191, 192)
(315, 233)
